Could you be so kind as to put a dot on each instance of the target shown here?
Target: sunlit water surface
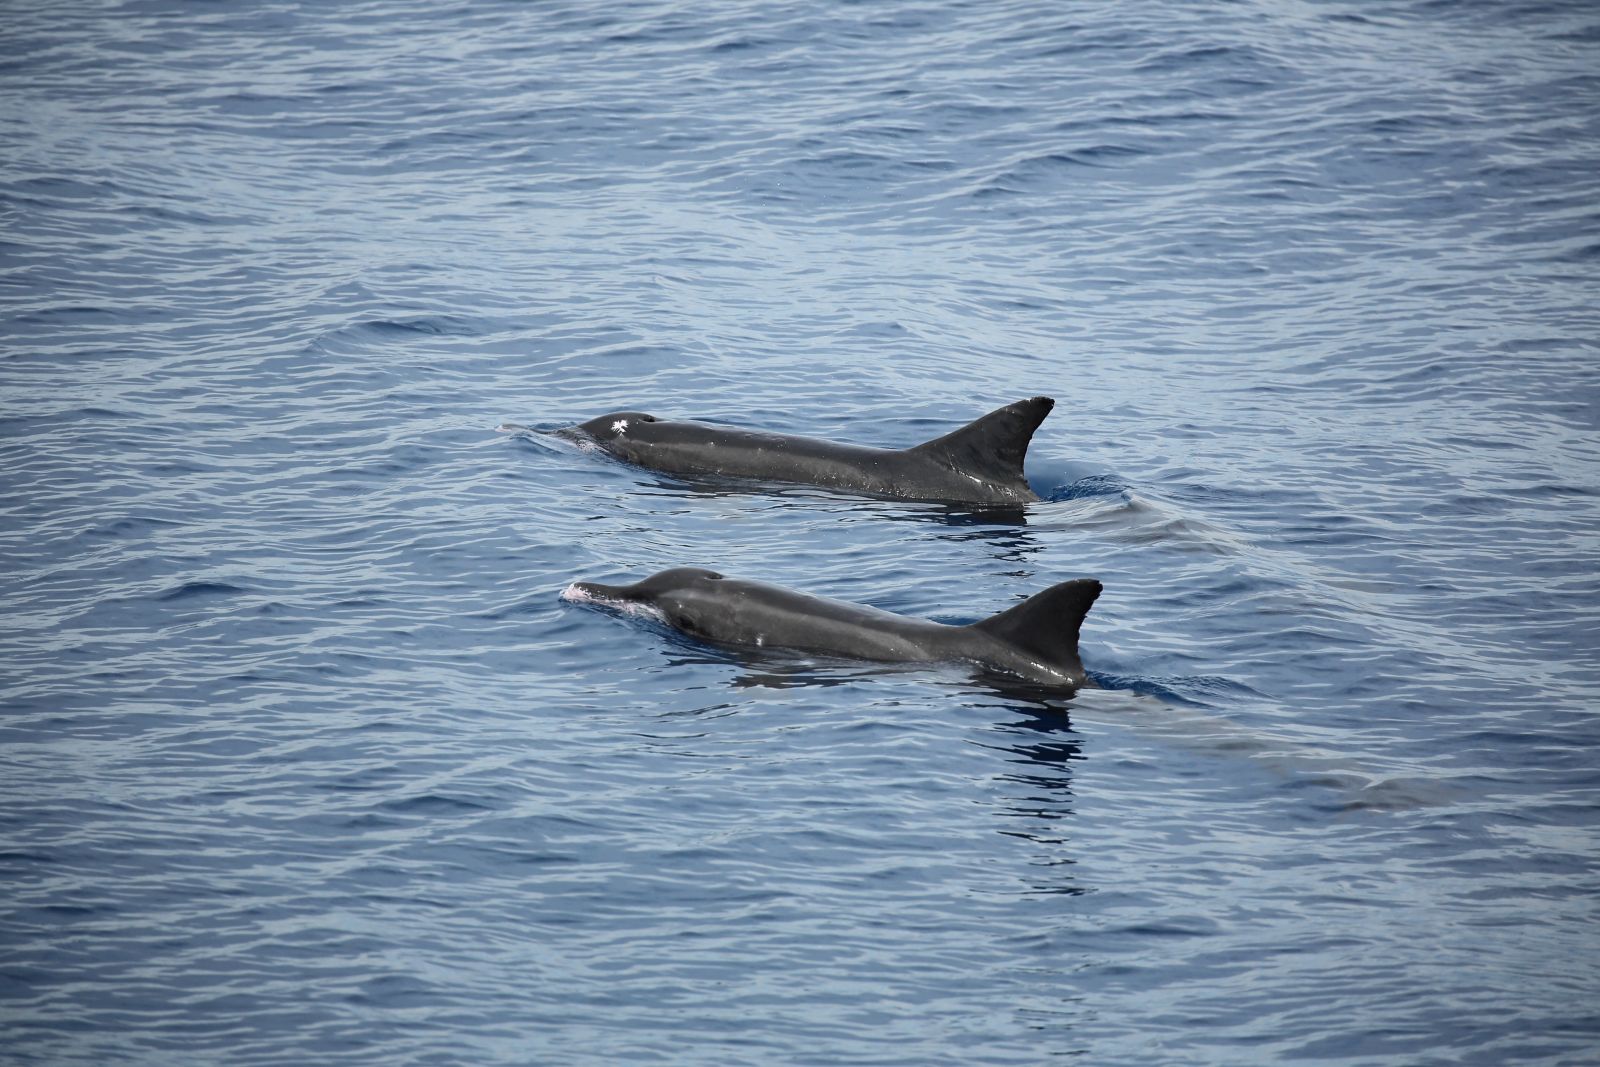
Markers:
(304, 762)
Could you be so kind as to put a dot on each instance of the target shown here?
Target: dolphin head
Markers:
(665, 595)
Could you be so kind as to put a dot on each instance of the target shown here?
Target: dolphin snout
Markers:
(574, 435)
(578, 592)
(627, 599)
(590, 592)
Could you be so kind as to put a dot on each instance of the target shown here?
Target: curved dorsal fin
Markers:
(1046, 624)
(993, 446)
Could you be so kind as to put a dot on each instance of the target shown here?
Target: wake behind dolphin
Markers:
(1035, 641)
(980, 463)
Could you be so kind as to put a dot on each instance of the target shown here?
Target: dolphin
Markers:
(981, 463)
(1035, 641)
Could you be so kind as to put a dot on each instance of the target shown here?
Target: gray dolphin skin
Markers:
(981, 463)
(1035, 641)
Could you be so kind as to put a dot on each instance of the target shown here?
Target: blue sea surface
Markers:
(302, 761)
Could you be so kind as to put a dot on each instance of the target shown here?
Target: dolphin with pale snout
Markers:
(1035, 641)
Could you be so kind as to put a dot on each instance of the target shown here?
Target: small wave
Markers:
(433, 804)
(431, 325)
(75, 313)
(1207, 55)
(547, 440)
(735, 44)
(367, 332)
(534, 605)
(1095, 155)
(1583, 253)
(1092, 486)
(1171, 690)
(190, 590)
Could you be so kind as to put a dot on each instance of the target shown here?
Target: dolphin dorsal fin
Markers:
(994, 445)
(1046, 624)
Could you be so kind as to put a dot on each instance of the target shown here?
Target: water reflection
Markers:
(1099, 504)
(780, 668)
(999, 515)
(1004, 529)
(1037, 740)
(1030, 733)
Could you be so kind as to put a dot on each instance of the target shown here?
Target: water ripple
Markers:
(304, 761)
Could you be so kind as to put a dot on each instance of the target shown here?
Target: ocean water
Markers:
(302, 760)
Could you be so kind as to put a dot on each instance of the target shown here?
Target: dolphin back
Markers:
(994, 446)
(1045, 626)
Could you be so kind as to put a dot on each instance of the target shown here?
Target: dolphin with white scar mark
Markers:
(981, 463)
